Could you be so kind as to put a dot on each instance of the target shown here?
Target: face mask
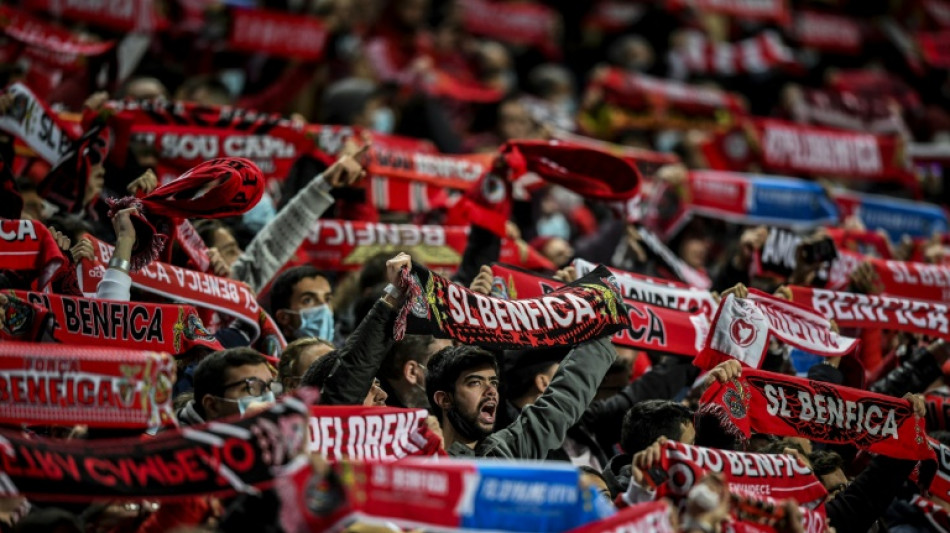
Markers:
(245, 402)
(554, 226)
(260, 214)
(316, 322)
(384, 121)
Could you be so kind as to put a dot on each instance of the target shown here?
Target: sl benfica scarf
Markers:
(699, 55)
(851, 310)
(586, 309)
(848, 111)
(897, 216)
(766, 402)
(30, 120)
(868, 243)
(359, 433)
(742, 327)
(214, 459)
(680, 269)
(906, 279)
(652, 327)
(650, 516)
(344, 245)
(828, 32)
(90, 321)
(775, 476)
(28, 247)
(661, 293)
(123, 17)
(521, 24)
(54, 384)
(768, 10)
(661, 98)
(48, 43)
(440, 170)
(259, 30)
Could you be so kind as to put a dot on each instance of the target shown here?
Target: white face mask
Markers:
(384, 121)
(316, 322)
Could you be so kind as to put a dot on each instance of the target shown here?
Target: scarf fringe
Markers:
(142, 253)
(413, 291)
(725, 421)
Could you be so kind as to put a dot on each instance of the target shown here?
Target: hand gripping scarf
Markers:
(584, 310)
(766, 402)
(215, 459)
(357, 433)
(742, 327)
(218, 188)
(52, 384)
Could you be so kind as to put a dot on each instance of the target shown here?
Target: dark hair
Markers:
(209, 374)
(25, 184)
(321, 370)
(447, 365)
(824, 462)
(523, 366)
(207, 227)
(284, 283)
(287, 365)
(649, 420)
(410, 348)
(778, 447)
(72, 226)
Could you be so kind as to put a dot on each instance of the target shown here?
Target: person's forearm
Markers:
(116, 283)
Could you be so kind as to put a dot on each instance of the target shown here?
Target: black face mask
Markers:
(466, 428)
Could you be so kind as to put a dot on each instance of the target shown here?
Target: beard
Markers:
(467, 425)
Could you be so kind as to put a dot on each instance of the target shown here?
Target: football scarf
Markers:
(267, 31)
(776, 476)
(647, 161)
(48, 43)
(896, 216)
(174, 329)
(344, 245)
(936, 515)
(766, 402)
(742, 327)
(868, 243)
(357, 433)
(586, 309)
(677, 266)
(940, 485)
(59, 384)
(521, 24)
(938, 411)
(848, 111)
(852, 310)
(123, 17)
(440, 170)
(767, 10)
(215, 459)
(29, 248)
(661, 293)
(652, 327)
(777, 258)
(906, 279)
(699, 55)
(650, 516)
(195, 248)
(827, 32)
(934, 49)
(662, 98)
(65, 185)
(30, 120)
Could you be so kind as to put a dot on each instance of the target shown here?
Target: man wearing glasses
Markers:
(226, 383)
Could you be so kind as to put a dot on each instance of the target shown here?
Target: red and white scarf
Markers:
(687, 274)
(848, 111)
(828, 32)
(117, 15)
(902, 279)
(938, 517)
(699, 55)
(658, 292)
(267, 31)
(59, 384)
(30, 120)
(767, 402)
(768, 10)
(357, 433)
(48, 43)
(29, 248)
(650, 516)
(742, 327)
(525, 24)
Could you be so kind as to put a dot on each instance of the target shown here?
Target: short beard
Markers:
(467, 429)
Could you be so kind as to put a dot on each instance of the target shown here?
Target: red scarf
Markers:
(66, 183)
(940, 485)
(905, 279)
(658, 292)
(359, 433)
(822, 107)
(742, 327)
(124, 17)
(863, 242)
(775, 476)
(523, 24)
(48, 43)
(768, 10)
(441, 170)
(54, 384)
(700, 55)
(28, 247)
(260, 30)
(687, 274)
(647, 161)
(580, 311)
(652, 327)
(828, 32)
(174, 329)
(851, 310)
(935, 48)
(937, 516)
(30, 120)
(652, 516)
(660, 97)
(766, 402)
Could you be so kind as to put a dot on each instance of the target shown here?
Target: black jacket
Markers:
(859, 506)
(360, 358)
(618, 473)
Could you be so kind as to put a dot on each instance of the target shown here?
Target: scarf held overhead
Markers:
(766, 402)
(30, 120)
(29, 247)
(357, 433)
(53, 384)
(661, 293)
(583, 310)
(742, 328)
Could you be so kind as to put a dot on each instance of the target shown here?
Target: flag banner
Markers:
(828, 32)
(215, 459)
(523, 24)
(230, 297)
(658, 292)
(60, 384)
(268, 32)
(357, 433)
(580, 311)
(344, 245)
(696, 54)
(776, 11)
(29, 247)
(47, 43)
(898, 217)
(115, 15)
(766, 402)
(30, 120)
(742, 327)
(850, 310)
(778, 476)
(175, 329)
(652, 327)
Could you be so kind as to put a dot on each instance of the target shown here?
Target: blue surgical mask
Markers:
(245, 402)
(316, 322)
(555, 225)
(260, 214)
(384, 121)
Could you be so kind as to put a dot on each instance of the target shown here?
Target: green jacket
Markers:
(542, 426)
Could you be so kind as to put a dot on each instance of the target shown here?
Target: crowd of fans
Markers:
(362, 79)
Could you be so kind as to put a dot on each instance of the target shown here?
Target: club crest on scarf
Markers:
(16, 317)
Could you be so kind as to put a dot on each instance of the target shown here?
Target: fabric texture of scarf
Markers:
(29, 248)
(357, 433)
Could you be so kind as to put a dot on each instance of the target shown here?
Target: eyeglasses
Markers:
(257, 386)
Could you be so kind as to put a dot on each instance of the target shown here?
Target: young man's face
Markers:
(476, 397)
